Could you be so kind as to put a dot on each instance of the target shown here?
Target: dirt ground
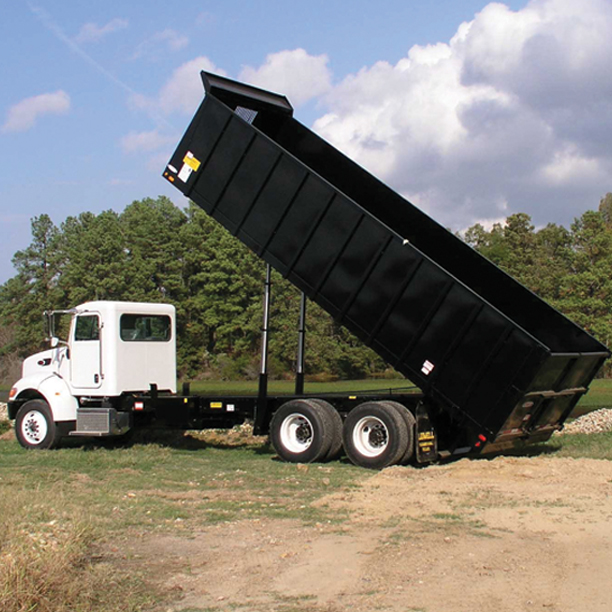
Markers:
(504, 535)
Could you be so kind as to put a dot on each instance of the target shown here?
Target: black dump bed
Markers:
(493, 357)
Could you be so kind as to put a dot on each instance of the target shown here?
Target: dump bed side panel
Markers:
(419, 318)
(491, 283)
(468, 355)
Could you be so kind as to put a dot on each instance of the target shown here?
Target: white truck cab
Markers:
(112, 349)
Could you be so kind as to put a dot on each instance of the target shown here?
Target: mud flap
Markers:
(426, 439)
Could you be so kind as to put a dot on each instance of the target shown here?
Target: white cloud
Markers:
(23, 115)
(92, 32)
(145, 142)
(295, 73)
(182, 93)
(167, 40)
(515, 108)
(569, 166)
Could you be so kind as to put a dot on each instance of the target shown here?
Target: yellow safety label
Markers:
(216, 404)
(426, 435)
(191, 161)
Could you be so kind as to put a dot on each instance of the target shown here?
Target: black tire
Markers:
(375, 435)
(35, 427)
(410, 423)
(301, 432)
(335, 423)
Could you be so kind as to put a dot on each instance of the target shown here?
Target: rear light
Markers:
(138, 405)
(481, 439)
(12, 393)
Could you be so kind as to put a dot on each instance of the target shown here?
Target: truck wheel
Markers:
(335, 423)
(375, 435)
(300, 431)
(34, 425)
(410, 423)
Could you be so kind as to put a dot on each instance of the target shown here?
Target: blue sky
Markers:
(472, 110)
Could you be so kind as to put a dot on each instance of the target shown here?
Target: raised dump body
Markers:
(495, 361)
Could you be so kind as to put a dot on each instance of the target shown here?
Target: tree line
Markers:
(154, 251)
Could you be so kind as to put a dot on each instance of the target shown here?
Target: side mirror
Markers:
(54, 342)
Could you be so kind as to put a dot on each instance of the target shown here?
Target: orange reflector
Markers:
(12, 393)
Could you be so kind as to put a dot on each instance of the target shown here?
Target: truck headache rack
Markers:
(493, 358)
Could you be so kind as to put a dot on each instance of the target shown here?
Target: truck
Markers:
(495, 365)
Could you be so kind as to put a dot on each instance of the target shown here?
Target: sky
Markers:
(471, 110)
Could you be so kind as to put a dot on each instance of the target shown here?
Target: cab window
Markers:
(87, 328)
(145, 328)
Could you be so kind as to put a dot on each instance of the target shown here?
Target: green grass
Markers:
(589, 446)
(186, 480)
(599, 395)
(59, 509)
(287, 387)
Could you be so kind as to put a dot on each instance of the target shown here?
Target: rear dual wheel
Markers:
(374, 435)
(305, 431)
(379, 434)
(410, 421)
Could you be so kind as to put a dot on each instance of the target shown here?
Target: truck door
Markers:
(86, 351)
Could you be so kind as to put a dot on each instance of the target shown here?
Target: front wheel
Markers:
(34, 425)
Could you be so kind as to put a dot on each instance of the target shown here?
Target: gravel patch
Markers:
(597, 421)
(3, 412)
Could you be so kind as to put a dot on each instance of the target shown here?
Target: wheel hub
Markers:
(303, 433)
(377, 436)
(296, 433)
(370, 436)
(34, 427)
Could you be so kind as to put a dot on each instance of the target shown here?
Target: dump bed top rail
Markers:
(475, 340)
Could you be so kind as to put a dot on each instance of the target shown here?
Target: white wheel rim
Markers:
(34, 427)
(370, 436)
(296, 433)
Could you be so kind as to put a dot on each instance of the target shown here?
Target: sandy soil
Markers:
(505, 535)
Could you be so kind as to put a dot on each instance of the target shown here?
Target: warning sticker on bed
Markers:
(427, 367)
(191, 161)
(185, 172)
